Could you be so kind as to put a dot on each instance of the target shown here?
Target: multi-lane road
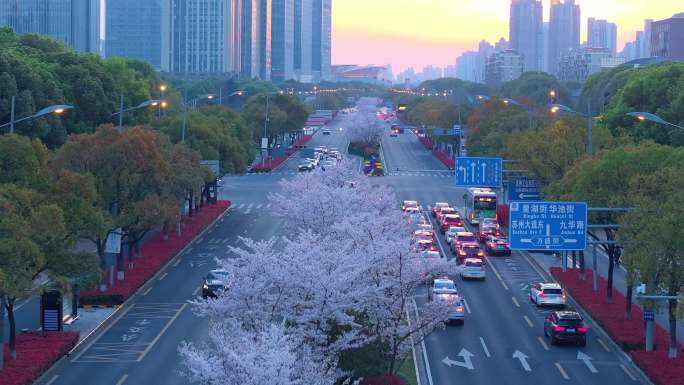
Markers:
(501, 341)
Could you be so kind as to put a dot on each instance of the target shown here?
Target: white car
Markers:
(407, 204)
(452, 232)
(442, 286)
(313, 161)
(444, 289)
(473, 268)
(547, 294)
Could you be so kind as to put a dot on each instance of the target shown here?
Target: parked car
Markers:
(565, 326)
(215, 282)
(547, 294)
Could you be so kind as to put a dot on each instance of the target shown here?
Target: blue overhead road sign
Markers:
(523, 189)
(478, 172)
(548, 226)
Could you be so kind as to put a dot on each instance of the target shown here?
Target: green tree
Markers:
(491, 124)
(73, 271)
(535, 87)
(655, 239)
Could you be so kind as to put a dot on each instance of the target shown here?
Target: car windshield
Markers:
(471, 247)
(573, 323)
(466, 238)
(473, 263)
(553, 291)
(444, 286)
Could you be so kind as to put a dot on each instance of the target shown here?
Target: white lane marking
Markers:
(147, 291)
(543, 343)
(562, 371)
(241, 205)
(178, 261)
(250, 206)
(258, 206)
(161, 333)
(515, 301)
(466, 363)
(491, 265)
(605, 347)
(484, 347)
(122, 380)
(194, 293)
(268, 206)
(163, 276)
(422, 345)
(248, 211)
(628, 372)
(52, 380)
(466, 305)
(528, 321)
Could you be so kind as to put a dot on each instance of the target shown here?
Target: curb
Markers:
(122, 309)
(541, 270)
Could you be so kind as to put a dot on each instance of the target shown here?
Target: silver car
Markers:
(473, 268)
(547, 294)
(456, 309)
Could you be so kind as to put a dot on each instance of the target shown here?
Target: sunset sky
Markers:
(420, 32)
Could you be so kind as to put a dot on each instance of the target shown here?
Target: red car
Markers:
(449, 220)
(424, 242)
(469, 250)
(445, 211)
(437, 207)
(497, 246)
(488, 230)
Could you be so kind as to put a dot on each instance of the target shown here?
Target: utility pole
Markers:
(589, 129)
(14, 101)
(265, 151)
(121, 111)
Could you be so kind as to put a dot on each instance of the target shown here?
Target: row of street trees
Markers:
(132, 181)
(340, 287)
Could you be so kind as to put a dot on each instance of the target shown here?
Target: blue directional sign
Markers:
(548, 225)
(523, 189)
(478, 172)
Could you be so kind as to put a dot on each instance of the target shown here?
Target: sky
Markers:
(416, 33)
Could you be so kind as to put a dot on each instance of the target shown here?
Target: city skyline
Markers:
(439, 31)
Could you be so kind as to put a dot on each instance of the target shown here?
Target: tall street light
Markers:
(556, 108)
(57, 109)
(193, 103)
(146, 103)
(644, 116)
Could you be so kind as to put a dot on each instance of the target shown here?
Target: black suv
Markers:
(565, 326)
(214, 283)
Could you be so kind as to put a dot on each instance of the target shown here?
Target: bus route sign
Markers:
(548, 225)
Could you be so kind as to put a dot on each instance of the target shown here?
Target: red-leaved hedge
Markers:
(627, 333)
(385, 379)
(36, 352)
(154, 254)
(272, 163)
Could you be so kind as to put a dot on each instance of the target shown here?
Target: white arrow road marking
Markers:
(484, 347)
(522, 357)
(587, 361)
(484, 169)
(467, 360)
(472, 170)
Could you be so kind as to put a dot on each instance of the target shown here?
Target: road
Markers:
(141, 346)
(502, 337)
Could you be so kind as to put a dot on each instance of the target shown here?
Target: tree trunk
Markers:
(582, 266)
(100, 244)
(191, 199)
(2, 331)
(12, 327)
(628, 302)
(165, 230)
(672, 310)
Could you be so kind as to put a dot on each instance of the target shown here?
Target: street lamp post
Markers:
(146, 103)
(56, 109)
(644, 116)
(192, 102)
(555, 108)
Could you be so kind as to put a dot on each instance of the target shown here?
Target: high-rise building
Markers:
(303, 39)
(133, 29)
(282, 40)
(578, 64)
(667, 39)
(564, 30)
(525, 32)
(502, 67)
(75, 22)
(545, 47)
(198, 37)
(467, 67)
(265, 33)
(645, 42)
(321, 39)
(602, 34)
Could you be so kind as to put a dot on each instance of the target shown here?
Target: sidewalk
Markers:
(619, 281)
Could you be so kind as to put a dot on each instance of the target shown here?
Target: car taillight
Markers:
(459, 309)
(563, 295)
(462, 253)
(480, 254)
(482, 268)
(559, 328)
(541, 294)
(582, 329)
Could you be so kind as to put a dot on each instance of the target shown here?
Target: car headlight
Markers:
(205, 286)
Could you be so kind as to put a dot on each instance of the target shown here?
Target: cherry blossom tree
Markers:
(235, 356)
(365, 128)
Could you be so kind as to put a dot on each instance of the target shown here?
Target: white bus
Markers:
(480, 203)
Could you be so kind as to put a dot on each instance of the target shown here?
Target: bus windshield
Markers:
(485, 203)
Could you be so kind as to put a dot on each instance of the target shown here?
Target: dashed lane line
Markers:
(529, 322)
(194, 293)
(515, 301)
(178, 261)
(543, 343)
(52, 380)
(484, 347)
(163, 276)
(497, 274)
(562, 371)
(466, 305)
(122, 380)
(147, 291)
